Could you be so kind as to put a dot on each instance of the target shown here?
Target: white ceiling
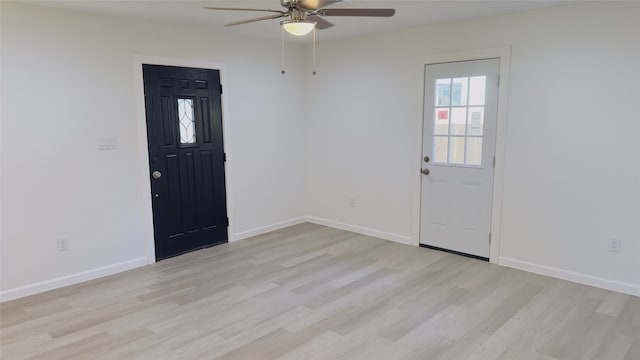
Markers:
(192, 13)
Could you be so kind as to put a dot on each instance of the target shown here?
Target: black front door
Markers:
(186, 158)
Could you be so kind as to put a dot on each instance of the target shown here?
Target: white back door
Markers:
(459, 131)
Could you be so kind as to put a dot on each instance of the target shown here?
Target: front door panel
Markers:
(186, 158)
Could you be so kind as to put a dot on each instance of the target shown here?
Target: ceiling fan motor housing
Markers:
(297, 14)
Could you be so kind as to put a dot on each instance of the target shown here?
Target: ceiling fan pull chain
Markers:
(314, 51)
(282, 48)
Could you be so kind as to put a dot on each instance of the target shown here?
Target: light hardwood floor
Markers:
(312, 292)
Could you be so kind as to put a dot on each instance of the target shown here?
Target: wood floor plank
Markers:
(315, 293)
(613, 304)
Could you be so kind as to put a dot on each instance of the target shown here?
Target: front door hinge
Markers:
(227, 221)
(221, 89)
(224, 157)
(494, 161)
(489, 238)
(498, 80)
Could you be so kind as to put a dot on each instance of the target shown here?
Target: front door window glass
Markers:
(186, 121)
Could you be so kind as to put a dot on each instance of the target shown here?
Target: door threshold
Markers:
(192, 250)
(455, 252)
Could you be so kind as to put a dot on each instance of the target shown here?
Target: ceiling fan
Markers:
(305, 15)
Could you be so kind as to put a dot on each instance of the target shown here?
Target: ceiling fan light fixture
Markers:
(298, 27)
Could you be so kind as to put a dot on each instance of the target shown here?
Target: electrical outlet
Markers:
(615, 244)
(352, 202)
(63, 244)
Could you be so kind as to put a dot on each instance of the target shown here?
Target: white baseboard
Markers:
(63, 281)
(19, 292)
(272, 227)
(362, 230)
(613, 285)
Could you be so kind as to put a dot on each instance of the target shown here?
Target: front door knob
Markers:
(425, 171)
(156, 174)
(426, 159)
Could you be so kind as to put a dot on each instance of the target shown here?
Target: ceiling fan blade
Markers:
(315, 4)
(244, 9)
(358, 12)
(256, 19)
(321, 23)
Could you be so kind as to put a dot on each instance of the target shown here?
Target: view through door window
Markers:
(459, 120)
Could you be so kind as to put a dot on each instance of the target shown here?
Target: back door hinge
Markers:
(227, 222)
(489, 238)
(224, 157)
(220, 88)
(494, 161)
(498, 80)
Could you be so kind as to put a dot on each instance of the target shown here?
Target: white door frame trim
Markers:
(143, 152)
(504, 54)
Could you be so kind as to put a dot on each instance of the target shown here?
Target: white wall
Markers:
(68, 79)
(571, 179)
